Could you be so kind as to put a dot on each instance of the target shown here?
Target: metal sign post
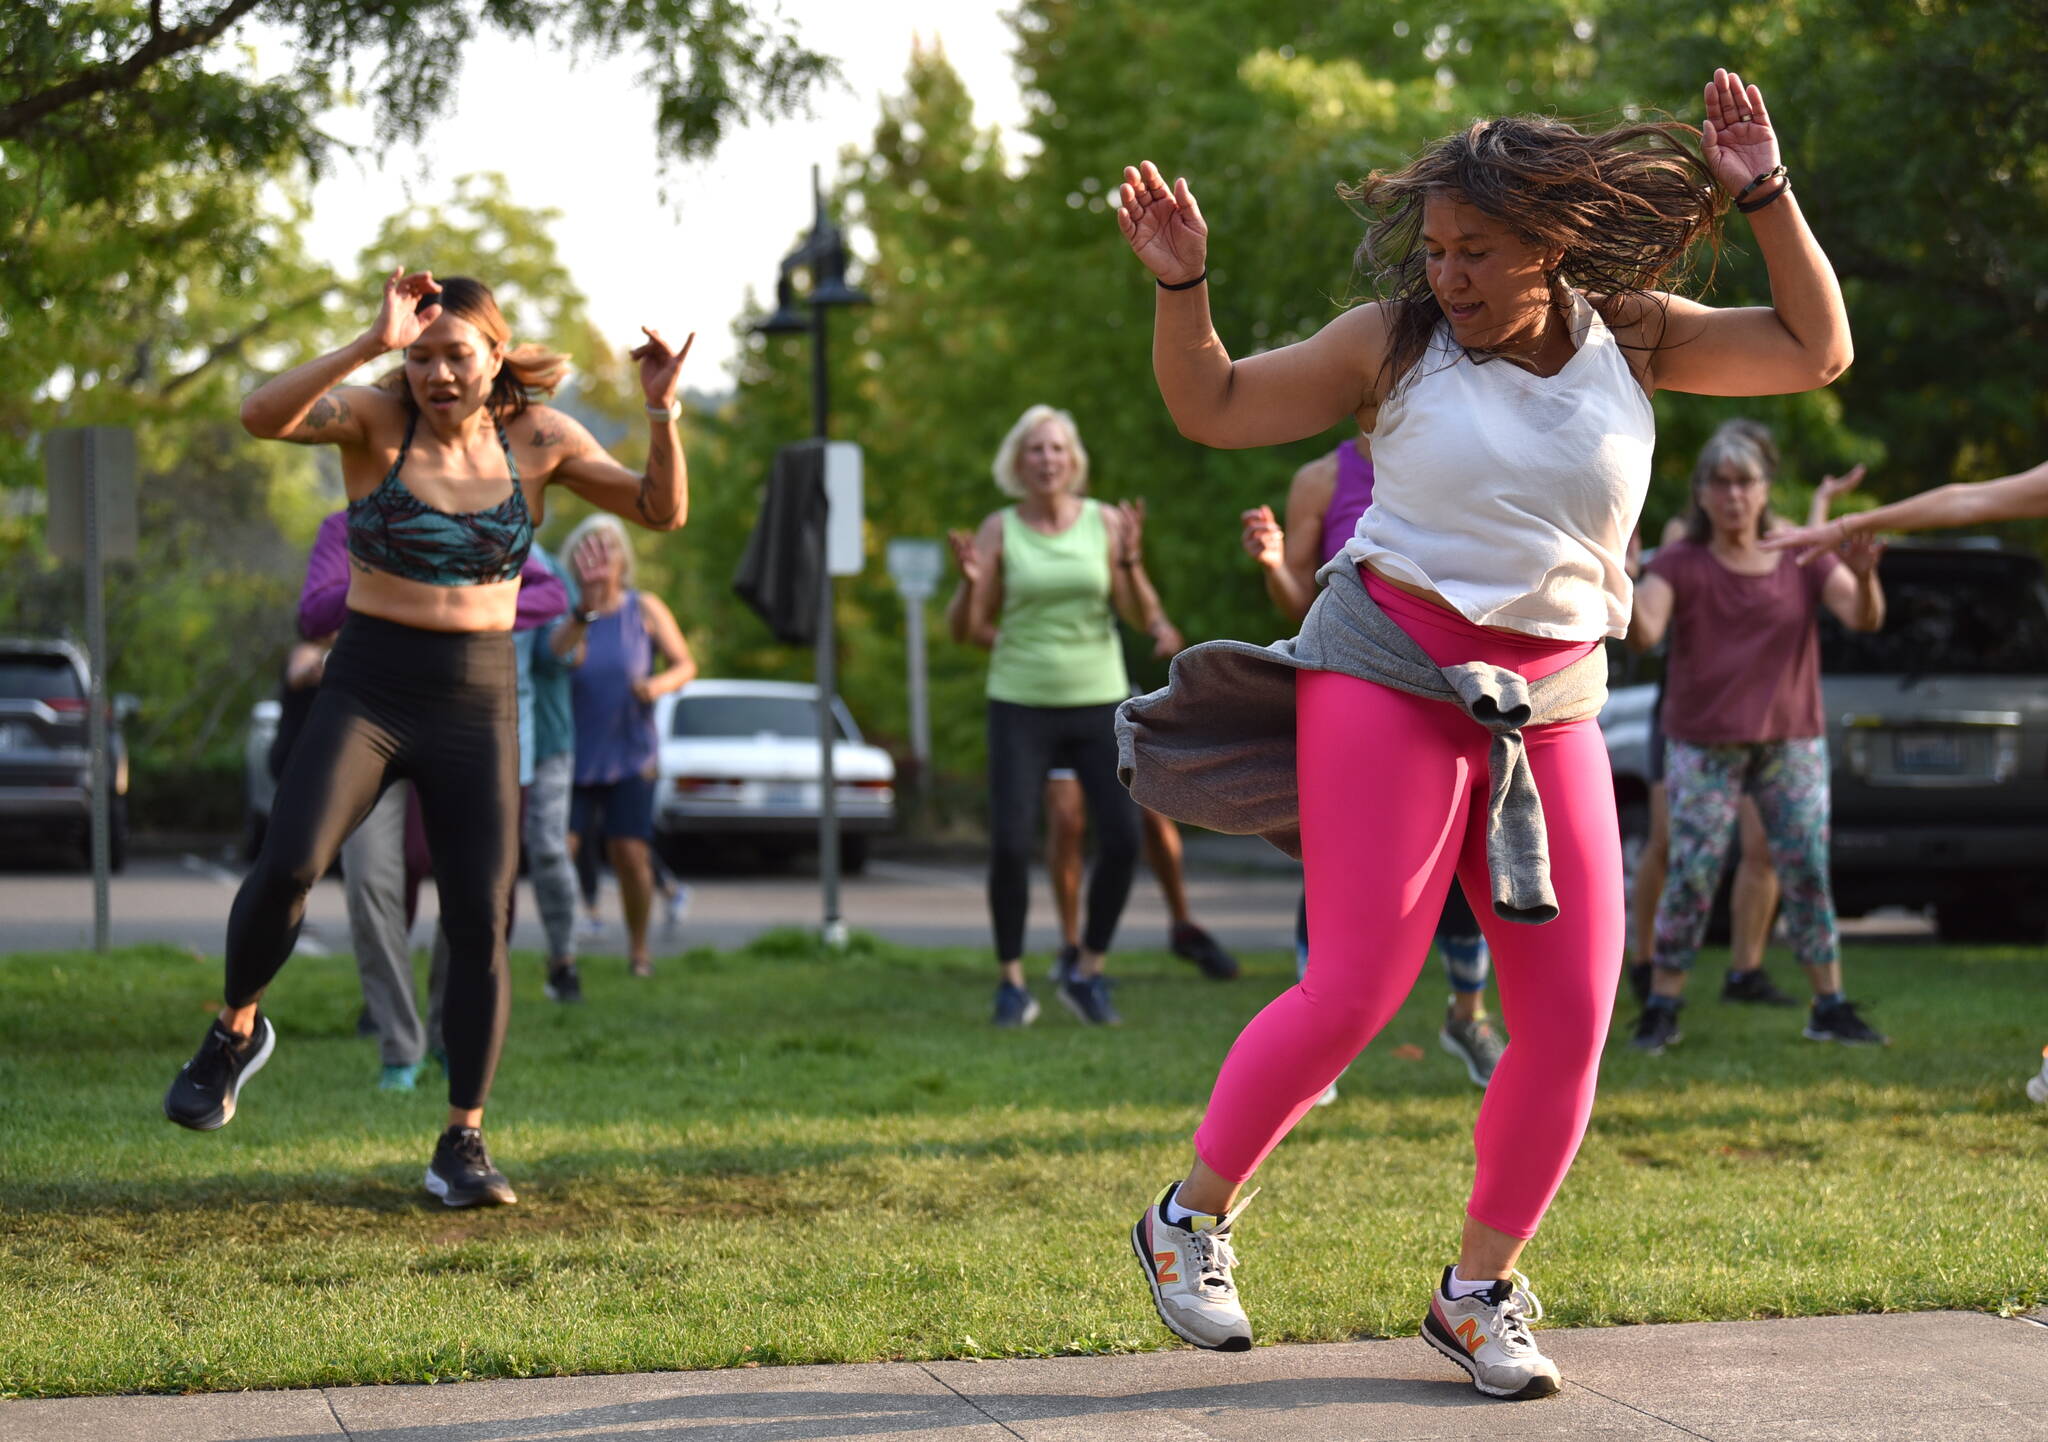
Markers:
(915, 567)
(91, 478)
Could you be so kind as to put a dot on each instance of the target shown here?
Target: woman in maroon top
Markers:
(1742, 714)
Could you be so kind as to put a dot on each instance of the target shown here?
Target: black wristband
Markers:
(1186, 284)
(1753, 206)
(1776, 172)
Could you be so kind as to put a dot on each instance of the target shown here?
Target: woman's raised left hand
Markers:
(660, 367)
(1737, 137)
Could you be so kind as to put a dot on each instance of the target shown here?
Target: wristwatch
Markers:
(589, 618)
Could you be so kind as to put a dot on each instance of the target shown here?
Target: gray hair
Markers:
(589, 526)
(1005, 467)
(1741, 444)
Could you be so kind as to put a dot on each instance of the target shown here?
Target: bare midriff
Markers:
(489, 607)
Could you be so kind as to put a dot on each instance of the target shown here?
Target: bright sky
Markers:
(581, 140)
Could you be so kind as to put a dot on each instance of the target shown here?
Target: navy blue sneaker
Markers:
(1839, 1022)
(1087, 997)
(1064, 966)
(1015, 1007)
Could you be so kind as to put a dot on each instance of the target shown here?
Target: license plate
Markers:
(1934, 753)
(788, 795)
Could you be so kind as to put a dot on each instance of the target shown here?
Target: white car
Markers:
(739, 760)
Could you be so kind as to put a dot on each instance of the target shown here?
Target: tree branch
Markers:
(17, 119)
(231, 345)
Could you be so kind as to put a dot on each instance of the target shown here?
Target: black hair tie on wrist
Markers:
(1186, 284)
(1776, 172)
(1753, 206)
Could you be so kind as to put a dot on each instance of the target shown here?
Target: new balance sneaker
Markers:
(564, 984)
(1087, 997)
(1190, 943)
(461, 1174)
(1656, 1029)
(1188, 1268)
(1838, 1021)
(1474, 1043)
(1015, 1007)
(202, 1094)
(2037, 1085)
(1488, 1335)
(1755, 988)
(1065, 966)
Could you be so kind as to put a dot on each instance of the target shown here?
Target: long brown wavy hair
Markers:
(1626, 206)
(529, 370)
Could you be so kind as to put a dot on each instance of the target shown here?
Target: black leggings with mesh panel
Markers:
(438, 709)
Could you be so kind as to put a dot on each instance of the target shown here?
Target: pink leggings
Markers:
(1393, 791)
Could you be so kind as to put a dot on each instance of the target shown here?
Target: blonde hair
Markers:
(1005, 467)
(591, 524)
(528, 370)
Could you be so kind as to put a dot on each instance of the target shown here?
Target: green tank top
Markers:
(1056, 643)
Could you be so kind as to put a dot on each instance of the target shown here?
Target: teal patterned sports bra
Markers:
(395, 531)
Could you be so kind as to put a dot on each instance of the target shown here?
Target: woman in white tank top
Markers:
(1505, 380)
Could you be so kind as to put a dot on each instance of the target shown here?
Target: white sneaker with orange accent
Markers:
(1488, 1335)
(1188, 1269)
(2037, 1086)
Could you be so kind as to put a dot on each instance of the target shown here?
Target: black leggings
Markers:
(438, 709)
(1025, 742)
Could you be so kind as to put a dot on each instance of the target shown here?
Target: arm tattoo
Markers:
(329, 410)
(645, 504)
(362, 567)
(543, 437)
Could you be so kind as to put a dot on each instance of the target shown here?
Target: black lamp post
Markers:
(823, 252)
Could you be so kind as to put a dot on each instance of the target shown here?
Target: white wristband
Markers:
(668, 412)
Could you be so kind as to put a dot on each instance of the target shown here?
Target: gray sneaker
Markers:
(1488, 1335)
(1188, 1269)
(1474, 1043)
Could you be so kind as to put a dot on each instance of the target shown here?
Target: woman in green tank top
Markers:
(1044, 581)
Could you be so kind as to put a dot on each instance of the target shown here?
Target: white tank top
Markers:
(1513, 495)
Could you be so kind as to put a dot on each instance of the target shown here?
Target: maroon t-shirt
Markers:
(1744, 658)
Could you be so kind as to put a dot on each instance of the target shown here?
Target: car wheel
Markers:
(117, 836)
(853, 855)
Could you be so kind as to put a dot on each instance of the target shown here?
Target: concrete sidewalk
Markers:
(1953, 1376)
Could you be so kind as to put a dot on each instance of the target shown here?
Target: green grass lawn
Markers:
(763, 1156)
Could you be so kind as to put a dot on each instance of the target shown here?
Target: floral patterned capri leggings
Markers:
(1789, 780)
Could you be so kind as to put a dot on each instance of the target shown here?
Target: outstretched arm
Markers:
(2020, 496)
(1652, 615)
(1827, 491)
(1280, 396)
(1800, 341)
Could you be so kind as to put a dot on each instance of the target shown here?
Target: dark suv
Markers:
(45, 755)
(1938, 739)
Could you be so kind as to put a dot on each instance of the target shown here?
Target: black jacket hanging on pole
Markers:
(780, 572)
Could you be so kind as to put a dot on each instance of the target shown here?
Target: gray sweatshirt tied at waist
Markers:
(1216, 747)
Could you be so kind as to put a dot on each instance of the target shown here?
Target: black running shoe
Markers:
(461, 1174)
(1656, 1029)
(1087, 997)
(1064, 966)
(564, 984)
(1190, 943)
(202, 1094)
(1640, 974)
(1839, 1022)
(1755, 988)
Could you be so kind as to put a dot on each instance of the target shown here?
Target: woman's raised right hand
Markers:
(966, 559)
(1163, 226)
(402, 318)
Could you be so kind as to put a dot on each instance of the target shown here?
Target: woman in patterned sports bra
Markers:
(445, 461)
